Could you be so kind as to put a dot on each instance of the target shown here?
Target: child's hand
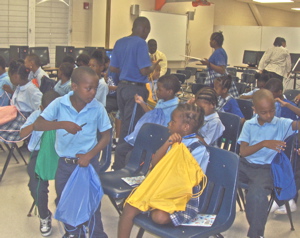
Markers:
(71, 127)
(205, 61)
(282, 103)
(138, 99)
(83, 160)
(174, 138)
(276, 145)
(7, 89)
(191, 101)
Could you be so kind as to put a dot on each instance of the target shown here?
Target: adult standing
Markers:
(276, 61)
(130, 58)
(156, 55)
(217, 63)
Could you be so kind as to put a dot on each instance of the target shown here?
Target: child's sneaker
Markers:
(45, 225)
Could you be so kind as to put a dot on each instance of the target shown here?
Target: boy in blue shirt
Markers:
(38, 187)
(261, 138)
(76, 117)
(4, 82)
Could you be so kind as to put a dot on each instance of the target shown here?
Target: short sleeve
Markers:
(245, 134)
(50, 112)
(31, 119)
(143, 55)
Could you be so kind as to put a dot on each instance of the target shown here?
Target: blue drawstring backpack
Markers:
(80, 198)
(156, 116)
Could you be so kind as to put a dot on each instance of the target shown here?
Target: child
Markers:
(4, 82)
(212, 128)
(63, 86)
(228, 104)
(262, 79)
(261, 138)
(83, 60)
(38, 187)
(186, 120)
(167, 87)
(152, 85)
(33, 62)
(275, 85)
(97, 64)
(80, 115)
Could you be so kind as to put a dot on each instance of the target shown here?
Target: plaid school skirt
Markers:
(10, 131)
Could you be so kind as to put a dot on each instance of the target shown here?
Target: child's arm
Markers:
(7, 89)
(84, 159)
(164, 148)
(296, 110)
(246, 96)
(246, 149)
(138, 99)
(26, 131)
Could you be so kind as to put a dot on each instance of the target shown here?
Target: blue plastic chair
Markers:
(291, 94)
(149, 139)
(246, 108)
(106, 156)
(218, 198)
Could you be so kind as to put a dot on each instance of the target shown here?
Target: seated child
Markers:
(80, 115)
(38, 187)
(152, 85)
(261, 82)
(212, 128)
(261, 138)
(167, 87)
(186, 120)
(69, 59)
(83, 60)
(4, 82)
(228, 104)
(276, 87)
(97, 64)
(26, 98)
(63, 86)
(33, 62)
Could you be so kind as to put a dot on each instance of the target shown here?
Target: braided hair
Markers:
(16, 67)
(225, 81)
(208, 94)
(218, 37)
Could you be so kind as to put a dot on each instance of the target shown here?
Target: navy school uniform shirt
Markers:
(233, 107)
(287, 113)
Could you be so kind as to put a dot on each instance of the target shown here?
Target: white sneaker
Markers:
(274, 207)
(282, 209)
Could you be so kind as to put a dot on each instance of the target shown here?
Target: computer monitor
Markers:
(259, 55)
(91, 49)
(250, 58)
(61, 52)
(294, 58)
(4, 52)
(17, 52)
(108, 52)
(42, 53)
(79, 51)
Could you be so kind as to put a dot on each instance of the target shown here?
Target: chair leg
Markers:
(20, 153)
(140, 233)
(289, 213)
(7, 146)
(1, 148)
(239, 202)
(7, 160)
(115, 205)
(242, 197)
(31, 208)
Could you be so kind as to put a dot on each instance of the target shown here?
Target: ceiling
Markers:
(281, 6)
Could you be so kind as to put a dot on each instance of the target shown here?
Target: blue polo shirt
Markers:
(62, 89)
(94, 114)
(167, 107)
(4, 79)
(288, 113)
(253, 133)
(130, 55)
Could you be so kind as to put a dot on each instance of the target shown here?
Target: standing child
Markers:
(212, 128)
(167, 87)
(63, 86)
(261, 138)
(186, 120)
(226, 102)
(96, 63)
(4, 83)
(80, 116)
(33, 62)
(38, 187)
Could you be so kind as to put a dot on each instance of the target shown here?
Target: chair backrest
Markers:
(246, 108)
(232, 124)
(149, 139)
(187, 73)
(168, 71)
(248, 76)
(181, 77)
(196, 87)
(105, 160)
(192, 69)
(201, 76)
(291, 94)
(241, 87)
(47, 84)
(232, 71)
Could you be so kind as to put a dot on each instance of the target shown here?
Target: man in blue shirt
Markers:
(130, 58)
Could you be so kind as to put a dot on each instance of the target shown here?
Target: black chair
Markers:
(105, 160)
(181, 77)
(246, 108)
(196, 87)
(201, 76)
(218, 198)
(192, 70)
(149, 139)
(291, 94)
(47, 84)
(248, 77)
(228, 140)
(168, 71)
(241, 87)
(187, 73)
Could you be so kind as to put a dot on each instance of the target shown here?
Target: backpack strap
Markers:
(194, 145)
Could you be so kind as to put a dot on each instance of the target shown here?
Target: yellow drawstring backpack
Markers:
(168, 187)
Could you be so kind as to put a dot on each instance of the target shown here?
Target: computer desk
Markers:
(52, 71)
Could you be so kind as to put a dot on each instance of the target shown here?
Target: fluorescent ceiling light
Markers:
(296, 8)
(272, 1)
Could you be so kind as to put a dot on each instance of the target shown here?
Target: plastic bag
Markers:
(80, 198)
(169, 186)
(154, 116)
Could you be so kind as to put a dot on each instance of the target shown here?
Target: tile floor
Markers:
(15, 203)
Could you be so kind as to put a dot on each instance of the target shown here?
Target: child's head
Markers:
(69, 59)
(18, 73)
(279, 41)
(97, 62)
(264, 105)
(275, 86)
(156, 72)
(83, 60)
(167, 87)
(262, 79)
(207, 98)
(222, 85)
(216, 39)
(84, 84)
(2, 64)
(186, 119)
(48, 97)
(32, 61)
(66, 70)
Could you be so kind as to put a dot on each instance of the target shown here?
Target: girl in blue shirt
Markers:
(63, 86)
